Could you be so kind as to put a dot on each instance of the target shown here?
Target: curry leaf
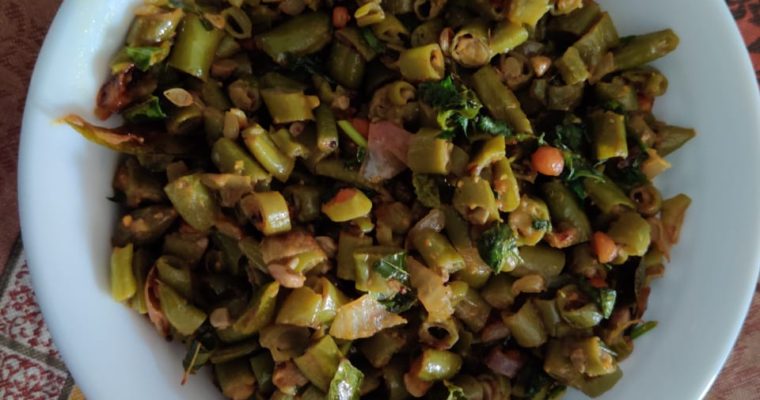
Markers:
(393, 266)
(498, 247)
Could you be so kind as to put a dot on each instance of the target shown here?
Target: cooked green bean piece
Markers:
(601, 37)
(235, 379)
(398, 7)
(276, 80)
(616, 92)
(288, 38)
(642, 50)
(564, 98)
(475, 201)
(429, 154)
(436, 365)
(185, 120)
(530, 221)
(268, 211)
(327, 130)
(632, 233)
(647, 80)
(300, 308)
(123, 280)
(144, 225)
(263, 366)
(609, 134)
(577, 22)
(172, 272)
(193, 201)
(152, 29)
(289, 106)
(230, 158)
(288, 145)
(183, 316)
(426, 10)
(391, 31)
(541, 260)
(346, 383)
(469, 46)
(346, 65)
(238, 23)
(526, 326)
(424, 63)
(427, 33)
(672, 138)
(500, 100)
(498, 292)
(572, 67)
(475, 272)
(260, 311)
(196, 45)
(437, 251)
(576, 309)
(320, 362)
(261, 145)
(528, 12)
(370, 13)
(673, 213)
(244, 94)
(607, 195)
(567, 214)
(505, 185)
(507, 36)
(472, 310)
(380, 349)
(228, 47)
(284, 342)
(348, 204)
(337, 169)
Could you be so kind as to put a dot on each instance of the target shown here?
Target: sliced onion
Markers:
(363, 318)
(387, 148)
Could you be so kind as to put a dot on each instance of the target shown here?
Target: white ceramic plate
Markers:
(114, 354)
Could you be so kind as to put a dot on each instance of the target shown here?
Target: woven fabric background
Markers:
(30, 366)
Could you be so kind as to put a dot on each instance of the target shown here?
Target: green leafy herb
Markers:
(372, 40)
(148, 110)
(570, 136)
(401, 302)
(426, 190)
(393, 266)
(442, 94)
(640, 329)
(604, 298)
(146, 57)
(457, 106)
(490, 126)
(498, 247)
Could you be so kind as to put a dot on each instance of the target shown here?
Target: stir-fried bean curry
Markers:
(387, 200)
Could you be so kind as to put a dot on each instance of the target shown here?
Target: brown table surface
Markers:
(30, 366)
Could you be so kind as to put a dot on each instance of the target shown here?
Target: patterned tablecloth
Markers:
(30, 366)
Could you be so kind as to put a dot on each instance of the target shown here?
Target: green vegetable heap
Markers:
(390, 200)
